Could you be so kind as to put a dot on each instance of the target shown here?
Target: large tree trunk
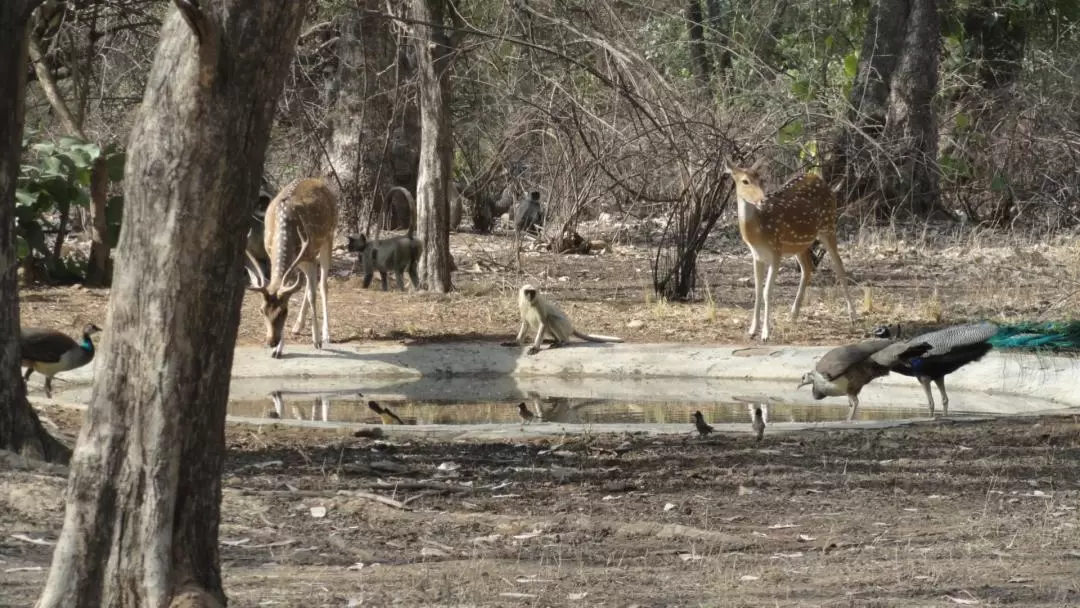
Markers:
(144, 496)
(436, 144)
(912, 126)
(374, 129)
(20, 429)
(892, 110)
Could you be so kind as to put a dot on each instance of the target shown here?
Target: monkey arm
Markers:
(535, 348)
(521, 334)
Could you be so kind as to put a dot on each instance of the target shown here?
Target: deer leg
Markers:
(759, 282)
(324, 274)
(299, 325)
(770, 278)
(829, 240)
(315, 338)
(806, 266)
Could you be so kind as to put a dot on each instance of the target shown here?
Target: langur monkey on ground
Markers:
(543, 316)
(396, 254)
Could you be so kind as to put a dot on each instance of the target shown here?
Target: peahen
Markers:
(50, 352)
(956, 346)
(845, 370)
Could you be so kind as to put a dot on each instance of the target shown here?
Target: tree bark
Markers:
(912, 125)
(20, 429)
(144, 495)
(436, 144)
(700, 62)
(374, 128)
(892, 110)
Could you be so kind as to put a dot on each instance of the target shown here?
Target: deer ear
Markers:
(758, 164)
(727, 167)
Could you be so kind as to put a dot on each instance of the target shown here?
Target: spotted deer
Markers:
(783, 223)
(299, 234)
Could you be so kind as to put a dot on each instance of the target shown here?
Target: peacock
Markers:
(845, 370)
(50, 352)
(956, 346)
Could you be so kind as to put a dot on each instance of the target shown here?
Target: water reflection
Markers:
(353, 408)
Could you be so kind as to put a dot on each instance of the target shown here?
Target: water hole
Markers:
(345, 408)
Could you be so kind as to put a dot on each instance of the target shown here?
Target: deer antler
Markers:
(295, 285)
(258, 280)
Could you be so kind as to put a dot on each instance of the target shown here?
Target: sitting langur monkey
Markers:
(396, 254)
(543, 316)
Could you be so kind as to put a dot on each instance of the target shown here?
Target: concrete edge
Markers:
(1038, 379)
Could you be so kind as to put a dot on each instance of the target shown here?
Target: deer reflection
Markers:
(559, 409)
(320, 408)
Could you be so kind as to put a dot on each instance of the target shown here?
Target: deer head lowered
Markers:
(783, 223)
(304, 214)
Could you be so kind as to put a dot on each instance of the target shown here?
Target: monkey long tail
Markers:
(590, 338)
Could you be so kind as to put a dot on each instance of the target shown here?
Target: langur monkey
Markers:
(397, 254)
(543, 316)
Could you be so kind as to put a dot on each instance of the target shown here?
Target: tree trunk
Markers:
(374, 130)
(912, 126)
(144, 495)
(892, 110)
(436, 145)
(20, 429)
(700, 62)
(97, 268)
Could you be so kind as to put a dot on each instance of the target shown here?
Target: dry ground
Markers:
(936, 514)
(943, 514)
(915, 278)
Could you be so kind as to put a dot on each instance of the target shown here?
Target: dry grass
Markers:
(909, 278)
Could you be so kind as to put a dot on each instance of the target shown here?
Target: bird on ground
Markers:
(759, 416)
(702, 427)
(956, 346)
(385, 414)
(526, 415)
(49, 352)
(845, 370)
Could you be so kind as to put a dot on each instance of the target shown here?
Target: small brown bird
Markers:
(759, 415)
(385, 414)
(699, 423)
(526, 415)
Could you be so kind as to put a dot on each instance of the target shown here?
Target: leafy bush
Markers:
(56, 181)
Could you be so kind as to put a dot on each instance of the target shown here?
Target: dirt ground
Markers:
(937, 514)
(948, 513)
(915, 278)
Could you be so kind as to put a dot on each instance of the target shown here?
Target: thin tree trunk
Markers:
(700, 62)
(436, 145)
(144, 495)
(20, 429)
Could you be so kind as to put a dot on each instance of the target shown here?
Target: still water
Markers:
(350, 408)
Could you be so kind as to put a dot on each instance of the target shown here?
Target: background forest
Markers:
(960, 113)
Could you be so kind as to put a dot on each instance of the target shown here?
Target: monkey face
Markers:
(530, 293)
(357, 243)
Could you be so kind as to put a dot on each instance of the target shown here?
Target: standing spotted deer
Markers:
(782, 223)
(299, 234)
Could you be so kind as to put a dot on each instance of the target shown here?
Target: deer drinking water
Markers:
(782, 223)
(299, 234)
